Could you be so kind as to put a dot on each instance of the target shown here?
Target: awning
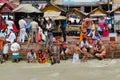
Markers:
(117, 12)
(76, 12)
(41, 6)
(98, 12)
(59, 18)
(52, 8)
(7, 7)
(97, 15)
(94, 19)
(51, 14)
(26, 8)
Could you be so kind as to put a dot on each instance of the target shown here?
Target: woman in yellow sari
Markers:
(85, 25)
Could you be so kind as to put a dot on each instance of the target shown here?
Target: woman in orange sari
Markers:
(85, 25)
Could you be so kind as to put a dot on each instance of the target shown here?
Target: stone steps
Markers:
(71, 42)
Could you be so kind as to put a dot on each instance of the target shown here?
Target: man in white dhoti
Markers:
(15, 48)
(9, 24)
(22, 24)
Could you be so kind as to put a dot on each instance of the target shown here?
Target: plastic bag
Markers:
(43, 37)
(62, 53)
(27, 27)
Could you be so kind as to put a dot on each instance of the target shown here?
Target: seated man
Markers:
(83, 43)
(100, 51)
(31, 56)
(85, 49)
(85, 54)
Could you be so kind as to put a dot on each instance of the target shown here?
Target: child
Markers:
(5, 51)
(47, 57)
(55, 57)
(41, 56)
(63, 49)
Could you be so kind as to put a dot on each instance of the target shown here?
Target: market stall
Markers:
(116, 21)
(6, 10)
(74, 19)
(52, 10)
(25, 10)
(56, 13)
(96, 13)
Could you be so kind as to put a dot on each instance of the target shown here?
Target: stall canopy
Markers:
(52, 10)
(75, 16)
(51, 14)
(26, 8)
(76, 11)
(59, 18)
(116, 13)
(97, 12)
(117, 10)
(7, 7)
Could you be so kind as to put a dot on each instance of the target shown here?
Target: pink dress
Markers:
(104, 29)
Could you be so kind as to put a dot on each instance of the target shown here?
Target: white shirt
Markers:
(9, 24)
(82, 44)
(15, 47)
(2, 34)
(29, 55)
(5, 48)
(11, 37)
(48, 26)
(22, 23)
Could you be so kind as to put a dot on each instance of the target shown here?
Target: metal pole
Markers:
(108, 5)
(91, 7)
(68, 6)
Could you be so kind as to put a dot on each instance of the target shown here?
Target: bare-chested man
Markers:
(77, 51)
(100, 51)
(85, 54)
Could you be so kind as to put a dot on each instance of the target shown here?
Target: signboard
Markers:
(51, 14)
(116, 1)
(113, 36)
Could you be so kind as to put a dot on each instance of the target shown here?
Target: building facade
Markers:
(39, 4)
(116, 3)
(84, 5)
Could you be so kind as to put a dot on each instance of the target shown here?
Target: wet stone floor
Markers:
(108, 69)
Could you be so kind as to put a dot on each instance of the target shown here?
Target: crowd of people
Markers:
(36, 30)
